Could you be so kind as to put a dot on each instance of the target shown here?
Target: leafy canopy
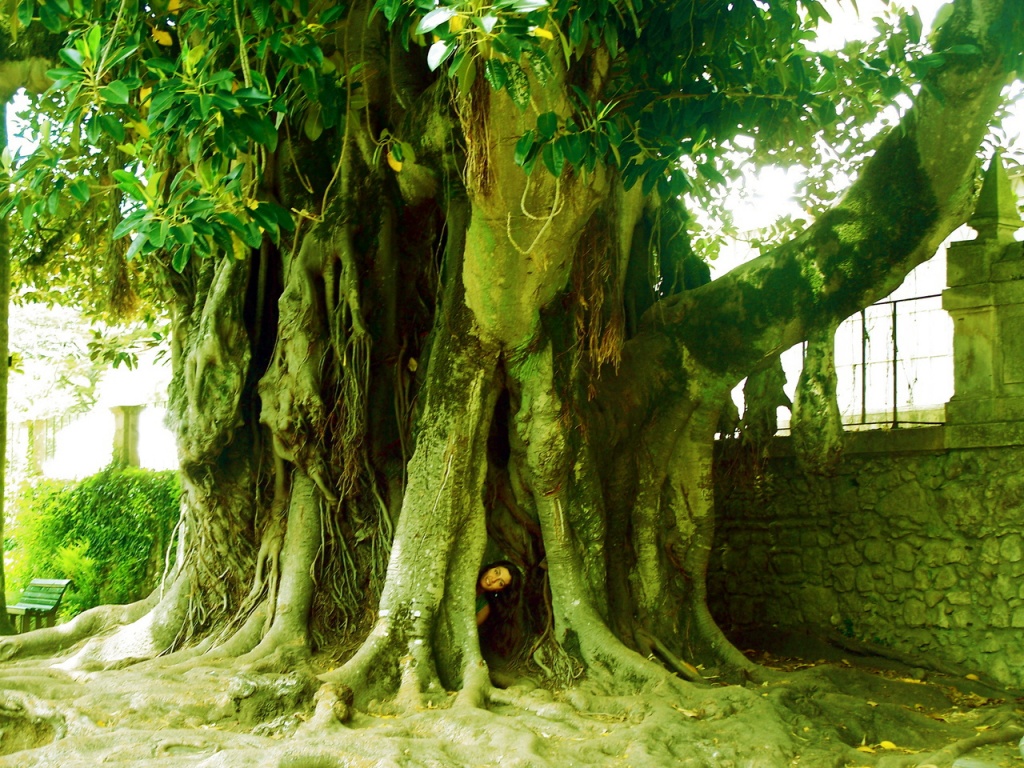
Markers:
(164, 117)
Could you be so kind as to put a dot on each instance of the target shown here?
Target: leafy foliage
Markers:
(165, 117)
(108, 533)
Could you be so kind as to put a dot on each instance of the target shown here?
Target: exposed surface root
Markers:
(814, 714)
(93, 622)
(147, 636)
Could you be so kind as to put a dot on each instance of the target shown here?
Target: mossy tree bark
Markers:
(453, 360)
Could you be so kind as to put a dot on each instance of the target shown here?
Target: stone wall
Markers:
(915, 544)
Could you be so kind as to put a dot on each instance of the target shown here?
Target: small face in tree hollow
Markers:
(494, 584)
(495, 579)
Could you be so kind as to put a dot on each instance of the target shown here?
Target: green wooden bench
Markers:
(38, 604)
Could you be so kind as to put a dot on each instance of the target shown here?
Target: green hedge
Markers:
(108, 533)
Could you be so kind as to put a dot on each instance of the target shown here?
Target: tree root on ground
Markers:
(149, 635)
(224, 717)
(945, 757)
(93, 622)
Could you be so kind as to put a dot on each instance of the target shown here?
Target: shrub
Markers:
(108, 534)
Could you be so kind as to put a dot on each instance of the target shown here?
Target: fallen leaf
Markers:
(972, 676)
(866, 748)
(887, 745)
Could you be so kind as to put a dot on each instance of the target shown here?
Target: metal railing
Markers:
(894, 361)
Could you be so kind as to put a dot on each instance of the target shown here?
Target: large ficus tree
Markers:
(437, 293)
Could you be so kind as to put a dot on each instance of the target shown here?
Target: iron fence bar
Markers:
(895, 373)
(864, 339)
(863, 366)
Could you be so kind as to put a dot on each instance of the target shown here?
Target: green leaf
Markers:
(182, 233)
(486, 23)
(547, 125)
(72, 57)
(575, 148)
(138, 241)
(224, 100)
(678, 184)
(554, 158)
(251, 96)
(127, 224)
(518, 86)
(313, 125)
(912, 21)
(495, 74)
(438, 53)
(333, 14)
(120, 54)
(541, 66)
(613, 133)
(434, 19)
(158, 64)
(125, 178)
(523, 147)
(266, 219)
(93, 39)
(50, 19)
(260, 12)
(965, 49)
(251, 234)
(53, 202)
(158, 234)
(650, 180)
(26, 9)
(115, 93)
(79, 190)
(112, 127)
(180, 258)
(709, 171)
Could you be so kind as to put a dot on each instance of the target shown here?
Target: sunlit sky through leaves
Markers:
(769, 193)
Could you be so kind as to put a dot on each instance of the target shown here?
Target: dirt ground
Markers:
(826, 710)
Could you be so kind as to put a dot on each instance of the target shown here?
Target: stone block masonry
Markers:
(915, 544)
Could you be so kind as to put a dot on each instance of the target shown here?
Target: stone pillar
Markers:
(985, 297)
(37, 445)
(126, 435)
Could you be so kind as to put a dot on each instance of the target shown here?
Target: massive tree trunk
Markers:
(454, 361)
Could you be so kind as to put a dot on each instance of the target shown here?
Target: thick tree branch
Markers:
(24, 59)
(914, 192)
